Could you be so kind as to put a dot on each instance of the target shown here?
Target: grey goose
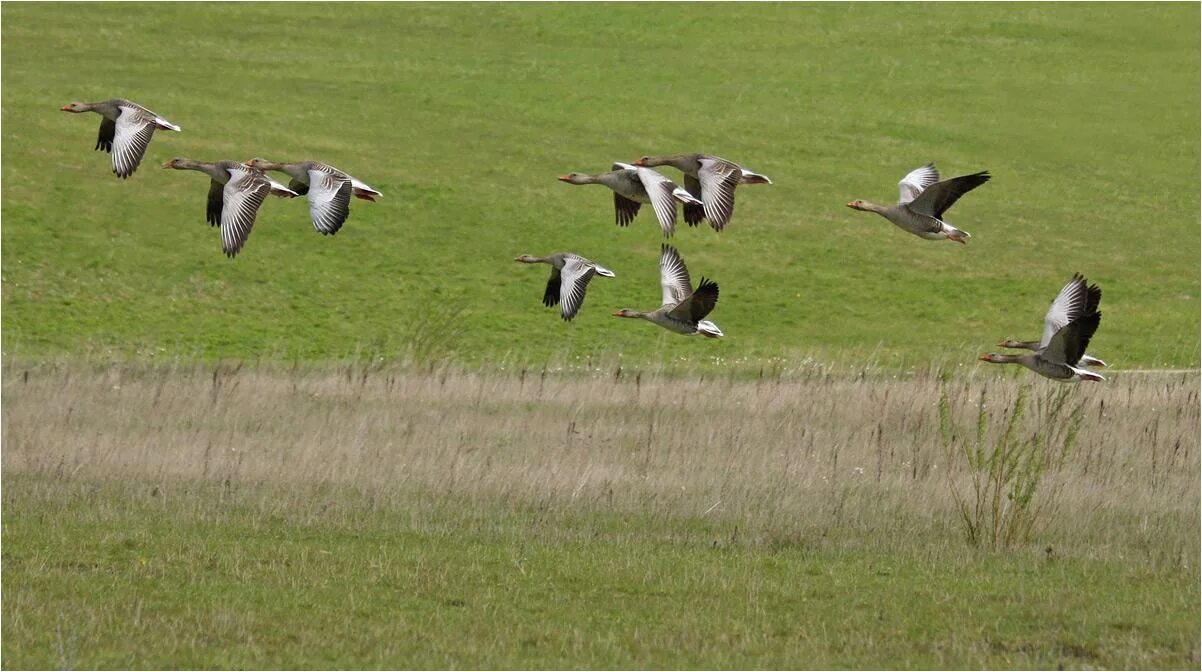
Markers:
(329, 190)
(236, 191)
(1056, 319)
(633, 186)
(684, 309)
(1068, 326)
(125, 130)
(711, 179)
(570, 275)
(922, 201)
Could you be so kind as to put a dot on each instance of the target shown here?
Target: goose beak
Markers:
(1001, 344)
(851, 204)
(638, 162)
(984, 358)
(562, 178)
(166, 164)
(65, 108)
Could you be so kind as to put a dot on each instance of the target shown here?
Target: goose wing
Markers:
(551, 294)
(573, 282)
(625, 209)
(216, 197)
(108, 129)
(937, 198)
(1070, 341)
(673, 276)
(659, 191)
(132, 131)
(700, 303)
(916, 181)
(1072, 302)
(718, 178)
(693, 213)
(241, 198)
(329, 200)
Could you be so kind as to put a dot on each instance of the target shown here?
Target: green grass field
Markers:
(380, 450)
(219, 518)
(464, 115)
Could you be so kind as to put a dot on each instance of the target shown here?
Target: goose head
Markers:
(76, 107)
(577, 178)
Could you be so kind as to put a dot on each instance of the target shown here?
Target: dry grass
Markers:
(844, 456)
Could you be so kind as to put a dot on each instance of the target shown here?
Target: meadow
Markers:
(191, 516)
(380, 450)
(463, 116)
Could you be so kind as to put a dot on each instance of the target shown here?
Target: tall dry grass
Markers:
(863, 459)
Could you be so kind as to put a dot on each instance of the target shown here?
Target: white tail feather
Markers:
(709, 329)
(685, 197)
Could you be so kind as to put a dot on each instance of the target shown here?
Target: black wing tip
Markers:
(708, 285)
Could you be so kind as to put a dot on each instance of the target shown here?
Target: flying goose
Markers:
(1093, 297)
(125, 131)
(570, 275)
(633, 186)
(683, 308)
(1070, 322)
(328, 188)
(922, 201)
(711, 179)
(235, 193)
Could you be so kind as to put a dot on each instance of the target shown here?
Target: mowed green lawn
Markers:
(463, 115)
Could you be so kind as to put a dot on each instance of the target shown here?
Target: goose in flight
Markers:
(570, 275)
(923, 200)
(329, 190)
(236, 191)
(683, 309)
(711, 179)
(1070, 322)
(125, 131)
(1093, 297)
(634, 186)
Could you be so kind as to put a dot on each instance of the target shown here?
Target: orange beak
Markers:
(851, 204)
(65, 108)
(562, 178)
(984, 358)
(638, 162)
(166, 164)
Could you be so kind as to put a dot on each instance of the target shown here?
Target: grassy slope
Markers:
(463, 115)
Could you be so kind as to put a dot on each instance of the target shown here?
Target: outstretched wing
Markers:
(132, 132)
(329, 200)
(659, 190)
(1071, 303)
(693, 213)
(673, 276)
(704, 299)
(241, 198)
(941, 196)
(916, 181)
(108, 129)
(718, 178)
(575, 278)
(624, 209)
(1069, 343)
(551, 294)
(216, 197)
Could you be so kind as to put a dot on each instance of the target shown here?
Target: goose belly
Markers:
(678, 326)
